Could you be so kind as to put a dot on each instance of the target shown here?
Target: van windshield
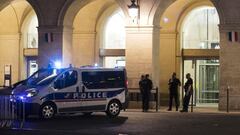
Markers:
(43, 77)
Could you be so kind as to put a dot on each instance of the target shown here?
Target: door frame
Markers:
(194, 65)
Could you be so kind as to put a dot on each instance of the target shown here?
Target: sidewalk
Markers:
(164, 109)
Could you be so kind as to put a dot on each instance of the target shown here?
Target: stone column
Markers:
(55, 48)
(139, 53)
(84, 49)
(229, 68)
(67, 46)
(168, 62)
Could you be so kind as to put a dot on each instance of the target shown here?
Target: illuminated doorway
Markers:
(200, 33)
(205, 75)
(114, 39)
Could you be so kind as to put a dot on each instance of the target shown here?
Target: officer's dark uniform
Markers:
(187, 95)
(173, 92)
(147, 87)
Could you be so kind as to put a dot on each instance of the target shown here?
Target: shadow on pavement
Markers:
(75, 122)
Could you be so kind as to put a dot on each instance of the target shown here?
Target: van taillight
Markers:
(126, 83)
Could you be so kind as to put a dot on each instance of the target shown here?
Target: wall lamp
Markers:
(133, 9)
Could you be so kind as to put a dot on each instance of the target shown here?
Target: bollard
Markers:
(157, 99)
(192, 102)
(228, 99)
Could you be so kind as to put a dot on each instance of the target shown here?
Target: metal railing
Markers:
(135, 95)
(4, 90)
(12, 112)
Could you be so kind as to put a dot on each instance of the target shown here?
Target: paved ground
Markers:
(134, 122)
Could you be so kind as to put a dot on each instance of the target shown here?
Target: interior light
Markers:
(165, 19)
(133, 9)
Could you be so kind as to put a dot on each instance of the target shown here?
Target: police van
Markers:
(72, 90)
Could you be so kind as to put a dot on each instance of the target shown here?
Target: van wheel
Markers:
(113, 109)
(48, 111)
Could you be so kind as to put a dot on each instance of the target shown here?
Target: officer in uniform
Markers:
(141, 90)
(173, 91)
(147, 87)
(188, 87)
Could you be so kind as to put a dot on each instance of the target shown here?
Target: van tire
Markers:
(47, 111)
(113, 109)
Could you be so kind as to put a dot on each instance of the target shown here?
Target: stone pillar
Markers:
(54, 48)
(84, 49)
(229, 68)
(67, 46)
(168, 63)
(139, 54)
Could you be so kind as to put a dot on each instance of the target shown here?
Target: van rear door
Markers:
(94, 94)
(101, 86)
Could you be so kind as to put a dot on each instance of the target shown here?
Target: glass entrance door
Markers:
(205, 75)
(208, 81)
(32, 65)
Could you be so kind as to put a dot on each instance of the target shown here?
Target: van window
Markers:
(67, 79)
(103, 79)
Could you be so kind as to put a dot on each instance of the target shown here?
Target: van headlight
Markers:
(32, 92)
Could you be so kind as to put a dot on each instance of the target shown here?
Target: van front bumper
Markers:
(32, 108)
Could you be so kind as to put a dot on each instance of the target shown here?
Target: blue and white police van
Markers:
(72, 90)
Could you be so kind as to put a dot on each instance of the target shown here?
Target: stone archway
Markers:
(81, 30)
(13, 15)
(171, 41)
(4, 3)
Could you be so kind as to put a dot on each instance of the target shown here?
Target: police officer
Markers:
(173, 91)
(188, 87)
(147, 87)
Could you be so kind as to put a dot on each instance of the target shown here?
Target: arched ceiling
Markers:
(176, 12)
(87, 17)
(228, 11)
(13, 15)
(72, 11)
(4, 3)
(51, 12)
